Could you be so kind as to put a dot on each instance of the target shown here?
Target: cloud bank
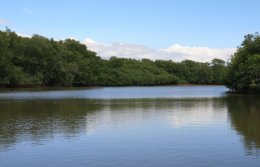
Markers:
(24, 35)
(175, 52)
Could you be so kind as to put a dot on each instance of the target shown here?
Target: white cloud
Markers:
(23, 35)
(124, 50)
(200, 53)
(175, 52)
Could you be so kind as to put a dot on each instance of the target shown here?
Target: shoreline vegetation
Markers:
(243, 72)
(41, 62)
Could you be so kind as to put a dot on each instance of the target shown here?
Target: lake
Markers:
(129, 126)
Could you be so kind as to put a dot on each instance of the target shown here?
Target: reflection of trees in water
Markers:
(244, 112)
(39, 120)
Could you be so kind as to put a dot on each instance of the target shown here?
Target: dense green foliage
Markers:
(38, 61)
(244, 70)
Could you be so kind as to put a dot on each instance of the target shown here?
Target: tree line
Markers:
(39, 61)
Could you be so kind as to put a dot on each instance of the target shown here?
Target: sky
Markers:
(157, 29)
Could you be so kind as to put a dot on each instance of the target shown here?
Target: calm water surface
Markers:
(129, 126)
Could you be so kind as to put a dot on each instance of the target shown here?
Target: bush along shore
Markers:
(39, 61)
(243, 72)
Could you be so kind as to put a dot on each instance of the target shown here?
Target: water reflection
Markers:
(244, 113)
(118, 92)
(200, 112)
(40, 120)
(175, 127)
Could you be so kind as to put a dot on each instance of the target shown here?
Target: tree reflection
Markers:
(40, 120)
(244, 113)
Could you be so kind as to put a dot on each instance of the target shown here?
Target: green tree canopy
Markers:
(39, 61)
(244, 70)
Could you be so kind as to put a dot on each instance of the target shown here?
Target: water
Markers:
(119, 92)
(129, 126)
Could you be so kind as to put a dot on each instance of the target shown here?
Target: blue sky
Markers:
(152, 23)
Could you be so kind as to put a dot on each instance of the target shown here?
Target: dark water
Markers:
(142, 126)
